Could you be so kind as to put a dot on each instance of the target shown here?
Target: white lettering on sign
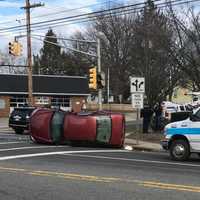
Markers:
(137, 100)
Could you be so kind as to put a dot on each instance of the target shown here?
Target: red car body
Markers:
(40, 125)
(96, 127)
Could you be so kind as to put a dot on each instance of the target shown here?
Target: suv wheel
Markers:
(179, 150)
(19, 131)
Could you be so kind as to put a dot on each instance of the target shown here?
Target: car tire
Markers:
(179, 150)
(19, 131)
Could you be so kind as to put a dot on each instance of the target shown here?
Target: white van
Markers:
(170, 107)
(183, 137)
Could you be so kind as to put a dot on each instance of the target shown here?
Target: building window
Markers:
(60, 102)
(2, 104)
(18, 101)
(42, 100)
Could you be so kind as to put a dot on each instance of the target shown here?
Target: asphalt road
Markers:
(31, 171)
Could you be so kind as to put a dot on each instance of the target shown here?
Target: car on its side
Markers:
(53, 126)
(20, 118)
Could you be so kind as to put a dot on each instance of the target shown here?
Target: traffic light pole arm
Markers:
(72, 49)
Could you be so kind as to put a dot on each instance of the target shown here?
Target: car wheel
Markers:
(179, 150)
(19, 131)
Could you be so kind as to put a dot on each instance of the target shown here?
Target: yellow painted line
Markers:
(13, 169)
(188, 188)
(75, 176)
(81, 177)
(71, 177)
(172, 185)
(170, 188)
(61, 175)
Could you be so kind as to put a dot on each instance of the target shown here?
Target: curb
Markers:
(142, 148)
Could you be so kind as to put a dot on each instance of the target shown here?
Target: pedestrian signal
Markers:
(93, 78)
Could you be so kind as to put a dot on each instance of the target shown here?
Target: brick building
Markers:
(66, 92)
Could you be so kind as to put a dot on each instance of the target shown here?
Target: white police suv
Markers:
(183, 137)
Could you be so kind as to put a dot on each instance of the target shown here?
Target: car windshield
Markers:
(24, 111)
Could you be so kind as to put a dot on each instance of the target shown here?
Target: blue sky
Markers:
(11, 15)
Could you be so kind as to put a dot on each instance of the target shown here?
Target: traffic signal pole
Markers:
(99, 71)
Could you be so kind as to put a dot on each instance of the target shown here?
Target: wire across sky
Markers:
(88, 17)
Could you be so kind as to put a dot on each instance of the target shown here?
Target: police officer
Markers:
(146, 114)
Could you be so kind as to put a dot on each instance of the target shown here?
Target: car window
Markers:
(197, 114)
(182, 108)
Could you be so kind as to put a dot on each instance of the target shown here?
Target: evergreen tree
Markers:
(50, 59)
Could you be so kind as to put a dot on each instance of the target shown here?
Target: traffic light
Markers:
(101, 80)
(15, 48)
(11, 48)
(93, 78)
(18, 49)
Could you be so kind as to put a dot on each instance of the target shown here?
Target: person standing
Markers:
(146, 114)
(158, 115)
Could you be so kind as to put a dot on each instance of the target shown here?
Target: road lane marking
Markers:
(74, 176)
(56, 153)
(159, 185)
(13, 143)
(91, 178)
(70, 176)
(135, 160)
(32, 147)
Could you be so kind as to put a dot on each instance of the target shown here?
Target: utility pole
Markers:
(29, 52)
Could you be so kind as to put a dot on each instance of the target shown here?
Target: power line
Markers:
(80, 15)
(85, 18)
(58, 12)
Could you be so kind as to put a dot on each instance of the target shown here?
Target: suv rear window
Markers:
(22, 111)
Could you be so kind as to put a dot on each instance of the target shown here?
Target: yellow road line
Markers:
(171, 185)
(82, 178)
(13, 169)
(72, 176)
(171, 188)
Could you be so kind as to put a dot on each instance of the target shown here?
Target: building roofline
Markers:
(40, 93)
(45, 75)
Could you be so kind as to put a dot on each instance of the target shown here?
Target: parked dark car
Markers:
(20, 118)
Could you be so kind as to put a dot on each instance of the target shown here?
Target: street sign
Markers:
(137, 100)
(137, 84)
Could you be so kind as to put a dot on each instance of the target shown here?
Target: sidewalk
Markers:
(3, 123)
(142, 145)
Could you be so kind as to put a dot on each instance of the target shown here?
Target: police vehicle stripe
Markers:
(182, 131)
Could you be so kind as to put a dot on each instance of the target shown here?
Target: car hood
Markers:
(179, 124)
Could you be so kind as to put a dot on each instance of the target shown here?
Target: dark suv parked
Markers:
(19, 119)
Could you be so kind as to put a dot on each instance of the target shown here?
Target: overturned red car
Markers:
(57, 126)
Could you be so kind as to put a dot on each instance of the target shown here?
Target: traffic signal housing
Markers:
(18, 49)
(93, 78)
(101, 80)
(11, 48)
(15, 48)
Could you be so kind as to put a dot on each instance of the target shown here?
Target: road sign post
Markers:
(137, 87)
